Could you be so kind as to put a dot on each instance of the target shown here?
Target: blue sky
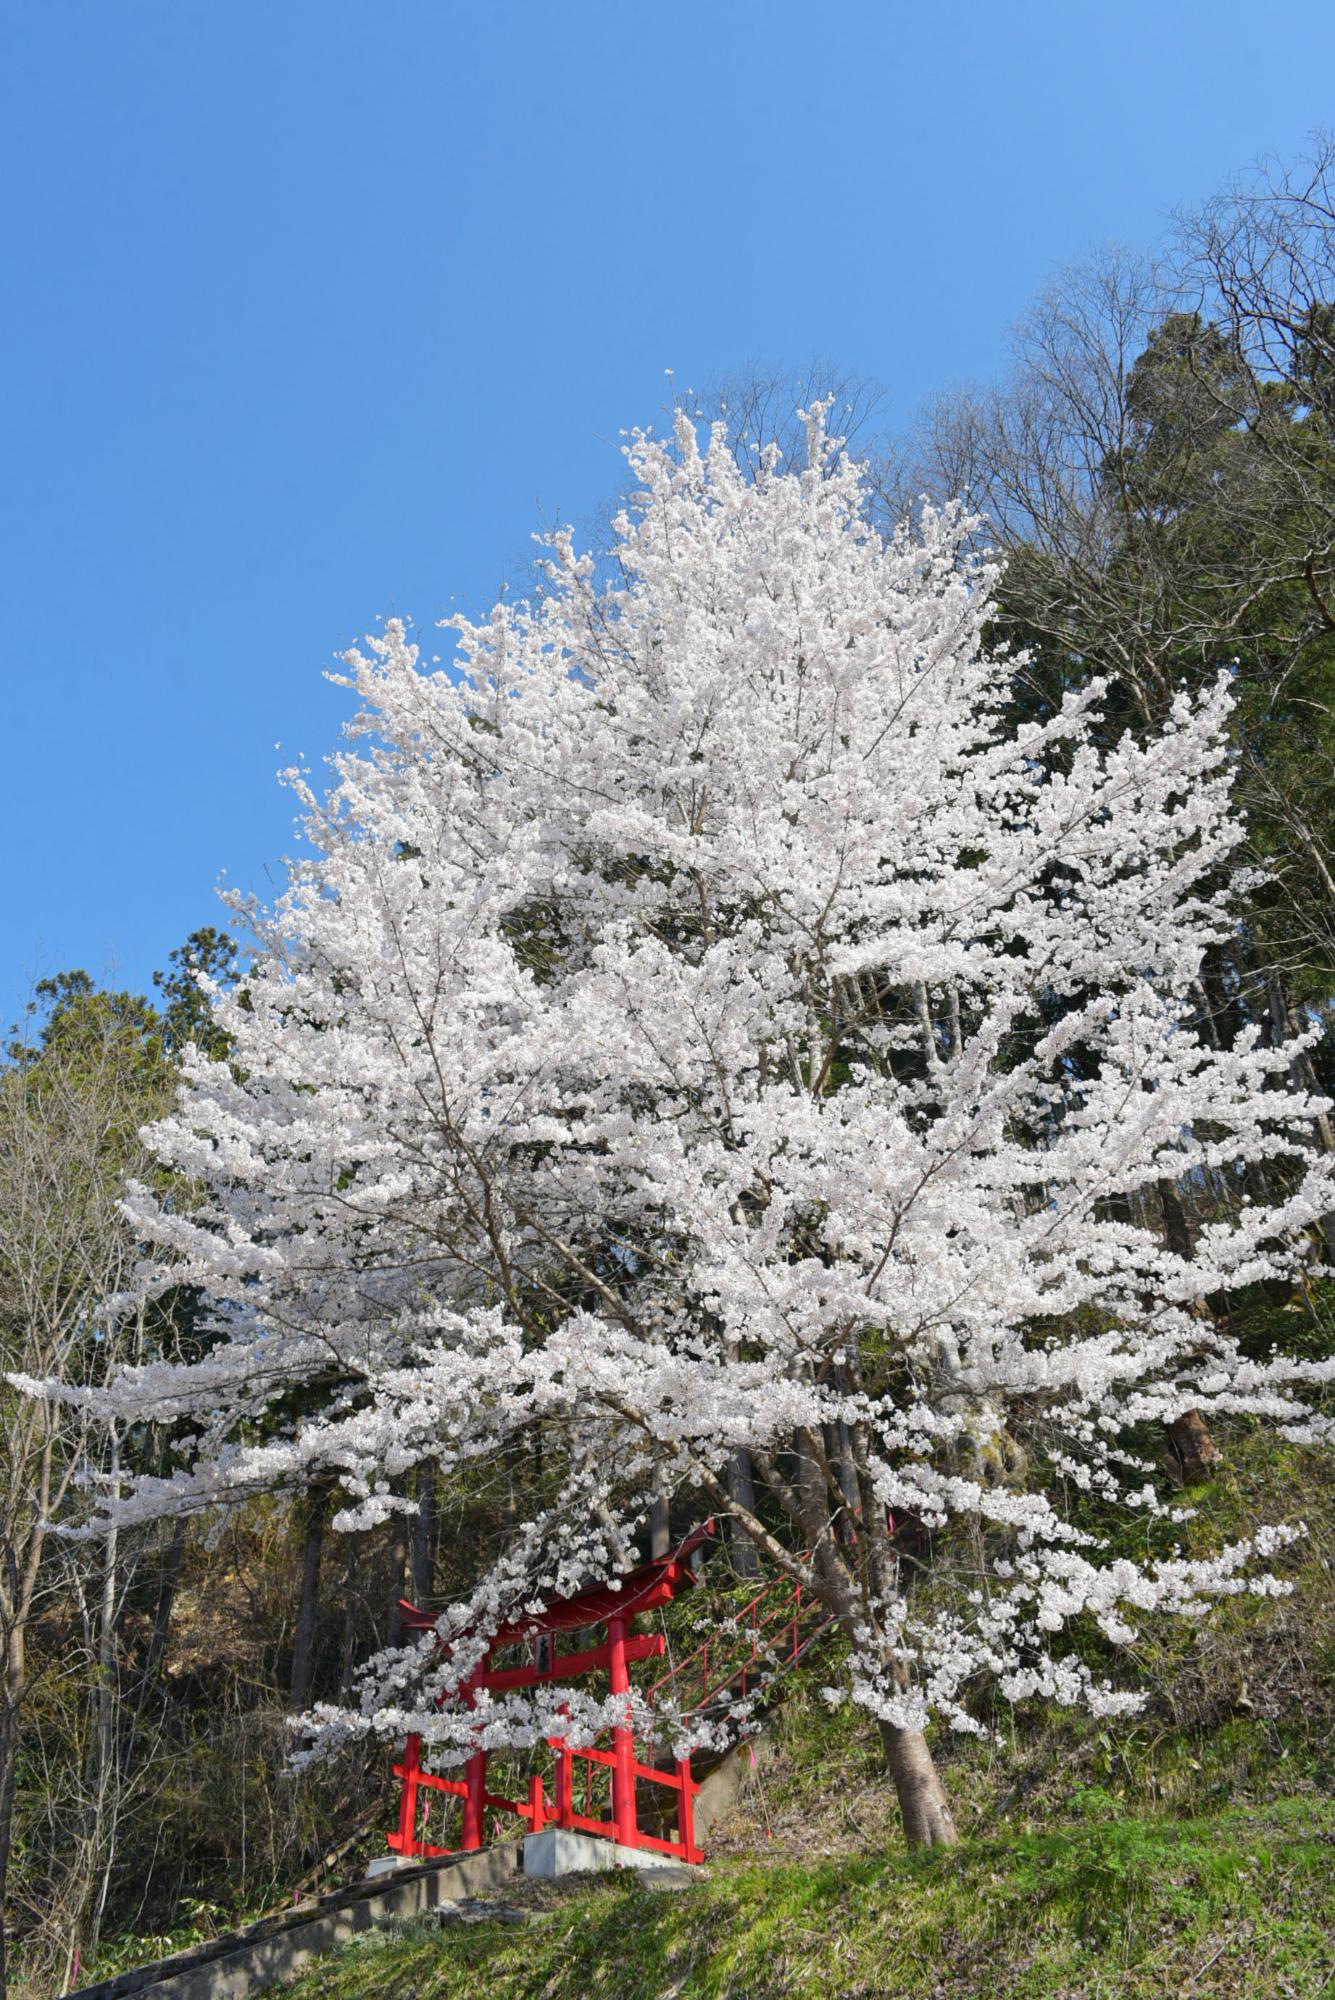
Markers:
(315, 310)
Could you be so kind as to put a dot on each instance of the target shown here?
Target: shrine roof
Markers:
(643, 1589)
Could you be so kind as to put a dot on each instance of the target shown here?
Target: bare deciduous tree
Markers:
(70, 1109)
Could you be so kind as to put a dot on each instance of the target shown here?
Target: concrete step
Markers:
(480, 1910)
(561, 1850)
(665, 1881)
(278, 1947)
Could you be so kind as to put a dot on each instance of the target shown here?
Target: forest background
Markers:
(1157, 463)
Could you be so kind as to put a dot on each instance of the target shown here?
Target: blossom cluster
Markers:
(708, 1018)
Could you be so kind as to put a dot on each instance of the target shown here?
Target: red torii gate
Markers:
(644, 1589)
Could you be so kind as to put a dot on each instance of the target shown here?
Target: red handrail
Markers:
(788, 1612)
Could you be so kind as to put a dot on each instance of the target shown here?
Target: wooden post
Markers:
(565, 1783)
(623, 1744)
(406, 1839)
(686, 1810)
(537, 1808)
(475, 1776)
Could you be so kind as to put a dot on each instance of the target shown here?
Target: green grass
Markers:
(1239, 1903)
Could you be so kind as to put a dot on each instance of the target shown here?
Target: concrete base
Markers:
(724, 1789)
(663, 1881)
(559, 1850)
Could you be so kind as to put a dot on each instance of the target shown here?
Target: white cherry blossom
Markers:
(707, 1019)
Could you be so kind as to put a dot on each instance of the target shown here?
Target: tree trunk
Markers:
(106, 1773)
(308, 1604)
(424, 1536)
(839, 1450)
(162, 1610)
(10, 1700)
(1304, 1077)
(1195, 1447)
(1282, 1028)
(6, 1822)
(660, 1529)
(742, 1488)
(1176, 1234)
(813, 1494)
(351, 1584)
(398, 1563)
(923, 1804)
(922, 1797)
(839, 1457)
(1190, 1434)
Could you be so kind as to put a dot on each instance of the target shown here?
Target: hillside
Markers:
(1242, 1901)
(1187, 1852)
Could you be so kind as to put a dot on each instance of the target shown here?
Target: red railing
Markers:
(625, 1770)
(538, 1811)
(623, 1826)
(779, 1624)
(477, 1800)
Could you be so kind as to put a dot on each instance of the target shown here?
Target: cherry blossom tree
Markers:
(707, 1022)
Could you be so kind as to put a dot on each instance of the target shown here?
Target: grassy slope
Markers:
(1243, 1902)
(1190, 1853)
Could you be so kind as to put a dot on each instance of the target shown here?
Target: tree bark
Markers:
(1190, 1434)
(818, 1530)
(106, 1775)
(918, 1788)
(922, 1797)
(398, 1563)
(923, 1805)
(308, 1604)
(1282, 1028)
(10, 1699)
(1304, 1078)
(742, 1489)
(839, 1451)
(660, 1525)
(1194, 1445)
(351, 1582)
(162, 1610)
(424, 1535)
